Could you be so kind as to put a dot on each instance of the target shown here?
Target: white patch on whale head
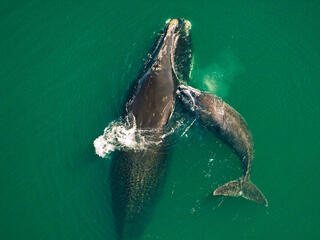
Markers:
(187, 27)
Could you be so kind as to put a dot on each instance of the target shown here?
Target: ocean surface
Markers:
(65, 70)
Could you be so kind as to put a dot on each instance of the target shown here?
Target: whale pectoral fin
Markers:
(245, 189)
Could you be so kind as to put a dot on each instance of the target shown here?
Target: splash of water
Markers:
(123, 134)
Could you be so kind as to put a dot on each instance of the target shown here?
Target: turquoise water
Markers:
(66, 67)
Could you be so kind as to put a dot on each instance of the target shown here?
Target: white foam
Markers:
(119, 135)
(188, 127)
(168, 20)
(102, 148)
(124, 135)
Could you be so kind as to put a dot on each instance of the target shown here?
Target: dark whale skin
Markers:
(137, 175)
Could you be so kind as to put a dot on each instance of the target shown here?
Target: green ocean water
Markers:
(65, 70)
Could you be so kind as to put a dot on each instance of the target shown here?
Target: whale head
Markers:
(174, 47)
(182, 55)
(188, 96)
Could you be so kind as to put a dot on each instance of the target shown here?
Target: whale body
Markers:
(232, 129)
(136, 175)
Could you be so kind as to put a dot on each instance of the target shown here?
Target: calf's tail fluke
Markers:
(242, 188)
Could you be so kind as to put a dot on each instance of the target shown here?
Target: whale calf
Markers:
(137, 174)
(232, 129)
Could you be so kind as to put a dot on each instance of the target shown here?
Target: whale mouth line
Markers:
(175, 41)
(172, 62)
(181, 53)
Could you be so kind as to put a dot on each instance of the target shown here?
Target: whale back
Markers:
(136, 175)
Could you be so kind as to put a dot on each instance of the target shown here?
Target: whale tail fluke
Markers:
(245, 189)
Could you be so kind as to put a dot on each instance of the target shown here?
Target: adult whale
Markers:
(137, 174)
(229, 125)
